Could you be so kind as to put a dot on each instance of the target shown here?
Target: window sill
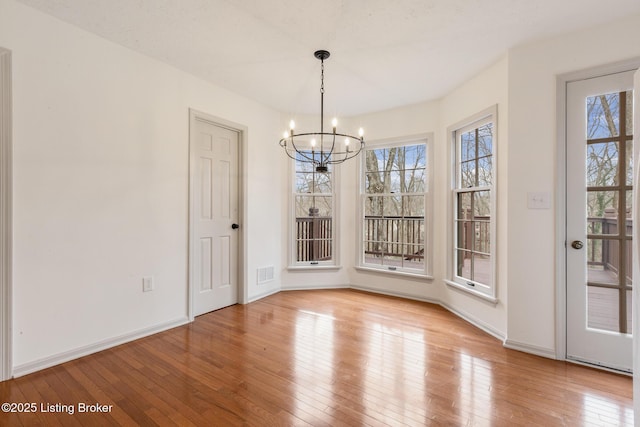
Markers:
(395, 272)
(493, 300)
(314, 267)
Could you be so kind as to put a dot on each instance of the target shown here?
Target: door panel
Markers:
(215, 200)
(599, 220)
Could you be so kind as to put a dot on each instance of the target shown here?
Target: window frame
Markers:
(486, 291)
(424, 139)
(334, 262)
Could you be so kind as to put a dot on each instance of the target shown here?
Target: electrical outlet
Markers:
(147, 284)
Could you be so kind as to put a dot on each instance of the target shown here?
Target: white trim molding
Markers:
(549, 353)
(66, 356)
(6, 206)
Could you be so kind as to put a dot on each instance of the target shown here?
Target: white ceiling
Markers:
(384, 53)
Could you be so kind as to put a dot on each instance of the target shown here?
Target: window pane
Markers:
(414, 256)
(311, 182)
(464, 205)
(413, 206)
(629, 113)
(374, 182)
(482, 204)
(463, 267)
(629, 150)
(304, 182)
(417, 181)
(468, 174)
(412, 180)
(485, 140)
(602, 212)
(416, 156)
(323, 183)
(465, 237)
(303, 166)
(482, 237)
(394, 182)
(602, 309)
(373, 206)
(629, 209)
(602, 164)
(392, 206)
(485, 172)
(602, 261)
(467, 146)
(482, 270)
(603, 116)
(372, 254)
(629, 248)
(375, 232)
(313, 206)
(629, 313)
(314, 239)
(412, 232)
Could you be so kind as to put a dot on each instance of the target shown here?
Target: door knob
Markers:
(577, 244)
(235, 226)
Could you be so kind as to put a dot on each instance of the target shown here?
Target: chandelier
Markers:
(321, 148)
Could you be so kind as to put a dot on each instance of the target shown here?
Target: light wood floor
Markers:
(323, 358)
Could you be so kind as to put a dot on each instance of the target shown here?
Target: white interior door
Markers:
(214, 216)
(599, 220)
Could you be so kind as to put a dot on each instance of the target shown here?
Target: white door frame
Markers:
(6, 207)
(242, 206)
(561, 191)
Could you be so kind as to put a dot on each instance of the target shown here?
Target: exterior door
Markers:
(599, 220)
(214, 213)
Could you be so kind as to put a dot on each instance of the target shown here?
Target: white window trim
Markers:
(334, 263)
(427, 140)
(486, 292)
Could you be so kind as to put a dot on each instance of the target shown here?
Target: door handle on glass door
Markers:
(577, 244)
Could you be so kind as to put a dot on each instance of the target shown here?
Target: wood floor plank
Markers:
(324, 358)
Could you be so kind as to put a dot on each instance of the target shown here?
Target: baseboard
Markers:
(66, 356)
(395, 294)
(314, 288)
(263, 295)
(531, 349)
(475, 322)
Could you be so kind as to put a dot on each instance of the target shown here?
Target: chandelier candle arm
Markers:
(298, 147)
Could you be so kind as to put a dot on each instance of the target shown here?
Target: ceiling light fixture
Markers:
(304, 147)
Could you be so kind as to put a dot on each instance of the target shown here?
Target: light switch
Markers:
(538, 200)
(147, 284)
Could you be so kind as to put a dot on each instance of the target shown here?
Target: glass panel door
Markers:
(599, 220)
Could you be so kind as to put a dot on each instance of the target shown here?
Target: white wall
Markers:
(101, 185)
(532, 240)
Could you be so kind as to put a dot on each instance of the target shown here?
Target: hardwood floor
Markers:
(321, 358)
